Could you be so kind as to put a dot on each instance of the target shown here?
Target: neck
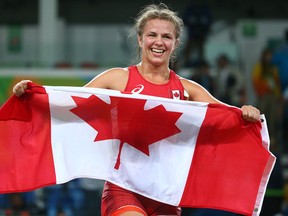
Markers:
(150, 71)
(157, 75)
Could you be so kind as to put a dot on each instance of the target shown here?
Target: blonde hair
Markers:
(160, 11)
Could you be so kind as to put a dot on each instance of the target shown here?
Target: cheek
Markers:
(146, 43)
(171, 45)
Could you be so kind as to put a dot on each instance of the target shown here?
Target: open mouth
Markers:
(159, 51)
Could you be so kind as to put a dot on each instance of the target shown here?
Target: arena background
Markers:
(68, 42)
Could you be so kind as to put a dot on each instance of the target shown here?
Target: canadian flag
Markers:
(177, 152)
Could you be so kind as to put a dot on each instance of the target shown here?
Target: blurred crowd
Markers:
(79, 197)
(226, 81)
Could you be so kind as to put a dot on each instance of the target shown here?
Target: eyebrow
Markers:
(154, 32)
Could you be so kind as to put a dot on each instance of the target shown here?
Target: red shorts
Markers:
(116, 198)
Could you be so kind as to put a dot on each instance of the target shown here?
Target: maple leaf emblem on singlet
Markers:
(176, 94)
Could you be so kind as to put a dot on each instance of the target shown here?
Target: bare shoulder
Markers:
(114, 78)
(197, 92)
(189, 85)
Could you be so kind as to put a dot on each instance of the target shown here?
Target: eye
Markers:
(151, 34)
(167, 36)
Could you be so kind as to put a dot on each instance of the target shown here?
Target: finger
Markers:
(20, 87)
(250, 113)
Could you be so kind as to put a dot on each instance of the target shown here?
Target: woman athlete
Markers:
(158, 31)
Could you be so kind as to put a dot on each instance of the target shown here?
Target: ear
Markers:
(139, 39)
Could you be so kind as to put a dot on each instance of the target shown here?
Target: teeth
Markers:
(158, 51)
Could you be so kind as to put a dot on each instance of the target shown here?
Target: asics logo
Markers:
(138, 89)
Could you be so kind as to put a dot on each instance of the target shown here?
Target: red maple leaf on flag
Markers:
(126, 120)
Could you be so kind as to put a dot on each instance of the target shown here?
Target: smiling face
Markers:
(157, 42)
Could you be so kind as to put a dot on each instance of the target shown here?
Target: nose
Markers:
(158, 40)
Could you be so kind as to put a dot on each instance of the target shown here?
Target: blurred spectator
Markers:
(280, 59)
(197, 19)
(285, 119)
(285, 203)
(203, 76)
(92, 191)
(230, 82)
(64, 199)
(266, 83)
(18, 204)
(3, 203)
(206, 212)
(273, 203)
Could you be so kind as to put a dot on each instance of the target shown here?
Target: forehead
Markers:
(159, 25)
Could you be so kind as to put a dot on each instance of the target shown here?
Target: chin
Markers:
(158, 62)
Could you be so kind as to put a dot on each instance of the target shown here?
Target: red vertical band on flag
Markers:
(228, 163)
(26, 160)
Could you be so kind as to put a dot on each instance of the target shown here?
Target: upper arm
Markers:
(115, 78)
(197, 92)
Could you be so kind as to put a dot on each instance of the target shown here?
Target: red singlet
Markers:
(138, 85)
(116, 200)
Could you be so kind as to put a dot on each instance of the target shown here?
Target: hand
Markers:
(250, 113)
(20, 88)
